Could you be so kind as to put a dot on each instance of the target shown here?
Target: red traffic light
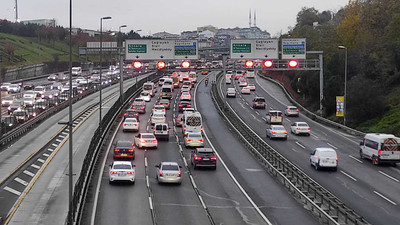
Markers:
(293, 63)
(268, 63)
(137, 65)
(249, 64)
(185, 64)
(161, 65)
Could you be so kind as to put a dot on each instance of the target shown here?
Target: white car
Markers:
(29, 94)
(14, 88)
(252, 87)
(159, 109)
(4, 86)
(243, 84)
(8, 100)
(39, 90)
(245, 90)
(169, 172)
(147, 140)
(291, 111)
(122, 171)
(145, 95)
(228, 80)
(130, 124)
(324, 157)
(300, 128)
(186, 96)
(158, 118)
(230, 92)
(29, 101)
(277, 131)
(194, 140)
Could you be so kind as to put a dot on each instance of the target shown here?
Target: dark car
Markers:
(184, 104)
(8, 122)
(124, 149)
(165, 103)
(259, 102)
(203, 157)
(29, 86)
(130, 113)
(139, 107)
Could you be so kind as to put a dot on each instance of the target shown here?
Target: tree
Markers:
(9, 49)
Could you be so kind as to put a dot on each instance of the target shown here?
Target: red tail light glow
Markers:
(197, 158)
(154, 141)
(116, 150)
(285, 132)
(130, 172)
(188, 139)
(126, 114)
(180, 105)
(179, 174)
(201, 140)
(113, 172)
(298, 128)
(379, 152)
(274, 132)
(214, 158)
(161, 173)
(337, 159)
(130, 150)
(309, 128)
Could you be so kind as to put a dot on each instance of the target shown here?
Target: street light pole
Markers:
(101, 53)
(345, 83)
(70, 149)
(121, 63)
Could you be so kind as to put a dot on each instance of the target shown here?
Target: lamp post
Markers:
(101, 53)
(121, 64)
(70, 152)
(345, 82)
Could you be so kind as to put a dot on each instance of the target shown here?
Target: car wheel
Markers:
(375, 160)
(361, 155)
(194, 166)
(132, 182)
(110, 182)
(335, 169)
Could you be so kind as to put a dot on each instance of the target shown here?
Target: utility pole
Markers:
(16, 11)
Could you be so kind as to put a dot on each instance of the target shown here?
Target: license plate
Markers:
(206, 159)
(124, 155)
(122, 174)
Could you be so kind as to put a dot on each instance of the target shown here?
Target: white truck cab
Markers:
(380, 148)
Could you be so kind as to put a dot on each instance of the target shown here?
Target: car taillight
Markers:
(298, 128)
(201, 129)
(141, 108)
(319, 158)
(188, 139)
(281, 115)
(274, 132)
(126, 114)
(163, 118)
(180, 105)
(142, 141)
(113, 172)
(116, 150)
(379, 152)
(130, 150)
(163, 110)
(154, 141)
(130, 172)
(337, 159)
(188, 106)
(133, 107)
(161, 173)
(124, 124)
(179, 174)
(285, 132)
(214, 158)
(197, 158)
(297, 110)
(201, 140)
(309, 128)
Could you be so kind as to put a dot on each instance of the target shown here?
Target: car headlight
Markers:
(9, 108)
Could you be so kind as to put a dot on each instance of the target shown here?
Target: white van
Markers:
(166, 91)
(149, 86)
(192, 123)
(250, 74)
(324, 158)
(76, 71)
(380, 148)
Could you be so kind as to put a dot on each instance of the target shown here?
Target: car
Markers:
(203, 157)
(158, 118)
(52, 77)
(147, 140)
(194, 140)
(231, 92)
(145, 95)
(238, 75)
(29, 101)
(179, 120)
(122, 171)
(39, 90)
(139, 101)
(41, 104)
(169, 172)
(4, 86)
(124, 149)
(380, 148)
(17, 104)
(277, 131)
(259, 102)
(186, 96)
(159, 109)
(139, 108)
(161, 81)
(14, 88)
(243, 84)
(252, 87)
(185, 89)
(324, 157)
(228, 80)
(291, 111)
(204, 72)
(274, 117)
(56, 86)
(241, 79)
(165, 103)
(300, 128)
(29, 94)
(161, 131)
(21, 115)
(130, 113)
(8, 100)
(184, 104)
(50, 94)
(29, 86)
(130, 124)
(245, 90)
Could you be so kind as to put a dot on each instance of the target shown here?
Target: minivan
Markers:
(324, 158)
(275, 116)
(161, 131)
(380, 148)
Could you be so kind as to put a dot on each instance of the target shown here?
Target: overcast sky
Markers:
(172, 16)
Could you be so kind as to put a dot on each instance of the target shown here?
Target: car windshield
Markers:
(278, 128)
(302, 125)
(158, 115)
(122, 167)
(170, 167)
(148, 136)
(123, 144)
(194, 135)
(260, 100)
(132, 120)
(28, 99)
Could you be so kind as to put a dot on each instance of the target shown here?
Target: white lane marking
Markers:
(264, 119)
(194, 183)
(19, 180)
(41, 160)
(287, 119)
(150, 203)
(145, 161)
(348, 175)
(65, 133)
(355, 159)
(62, 137)
(257, 113)
(147, 128)
(46, 155)
(51, 150)
(202, 202)
(388, 176)
(300, 145)
(332, 145)
(55, 145)
(29, 173)
(12, 190)
(35, 166)
(387, 199)
(254, 170)
(294, 150)
(315, 136)
(59, 140)
(147, 181)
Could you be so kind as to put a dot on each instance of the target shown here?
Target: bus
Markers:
(149, 86)
(192, 122)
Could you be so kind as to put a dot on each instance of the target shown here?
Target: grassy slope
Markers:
(32, 52)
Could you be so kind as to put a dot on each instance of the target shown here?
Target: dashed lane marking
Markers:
(19, 180)
(12, 190)
(29, 173)
(346, 174)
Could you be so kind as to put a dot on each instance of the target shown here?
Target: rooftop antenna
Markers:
(255, 19)
(249, 17)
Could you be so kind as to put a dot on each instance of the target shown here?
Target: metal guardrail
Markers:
(312, 115)
(82, 183)
(323, 204)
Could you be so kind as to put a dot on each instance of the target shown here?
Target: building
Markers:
(165, 35)
(246, 33)
(207, 34)
(40, 22)
(91, 33)
(209, 28)
(189, 35)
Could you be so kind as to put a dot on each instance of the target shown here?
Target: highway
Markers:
(372, 191)
(226, 201)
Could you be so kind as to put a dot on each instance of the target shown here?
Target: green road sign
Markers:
(241, 48)
(137, 48)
